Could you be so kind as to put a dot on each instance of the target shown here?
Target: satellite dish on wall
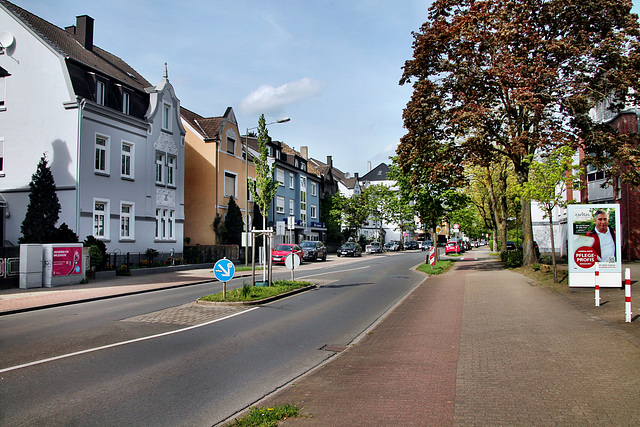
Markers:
(7, 42)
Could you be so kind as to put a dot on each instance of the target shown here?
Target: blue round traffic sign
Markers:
(224, 270)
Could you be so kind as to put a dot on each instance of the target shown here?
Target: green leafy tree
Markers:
(551, 177)
(517, 77)
(265, 186)
(43, 210)
(351, 212)
(379, 201)
(233, 223)
(334, 235)
(431, 187)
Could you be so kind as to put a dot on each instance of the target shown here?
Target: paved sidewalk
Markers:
(17, 300)
(479, 345)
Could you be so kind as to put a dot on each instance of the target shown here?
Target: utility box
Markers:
(64, 264)
(30, 266)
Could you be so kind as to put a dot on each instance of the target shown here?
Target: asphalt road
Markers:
(158, 359)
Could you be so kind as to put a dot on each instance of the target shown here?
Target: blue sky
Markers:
(332, 66)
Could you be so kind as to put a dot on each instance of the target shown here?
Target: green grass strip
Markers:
(266, 417)
(255, 293)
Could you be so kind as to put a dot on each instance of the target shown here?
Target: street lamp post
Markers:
(246, 210)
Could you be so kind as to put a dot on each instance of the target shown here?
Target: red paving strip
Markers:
(401, 373)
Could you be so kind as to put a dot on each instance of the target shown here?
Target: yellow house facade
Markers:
(215, 171)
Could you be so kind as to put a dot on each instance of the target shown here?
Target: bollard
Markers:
(597, 278)
(627, 294)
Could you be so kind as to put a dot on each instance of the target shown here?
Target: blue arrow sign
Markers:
(224, 270)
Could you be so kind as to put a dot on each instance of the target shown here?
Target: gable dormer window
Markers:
(101, 88)
(231, 145)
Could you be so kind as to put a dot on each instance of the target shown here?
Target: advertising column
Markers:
(594, 238)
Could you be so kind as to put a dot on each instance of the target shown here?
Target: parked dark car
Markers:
(412, 244)
(350, 249)
(511, 245)
(313, 250)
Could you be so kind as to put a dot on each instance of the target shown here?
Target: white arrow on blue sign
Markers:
(224, 270)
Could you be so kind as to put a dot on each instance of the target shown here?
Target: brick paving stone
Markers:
(477, 346)
(188, 314)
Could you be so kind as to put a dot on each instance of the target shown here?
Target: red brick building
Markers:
(627, 196)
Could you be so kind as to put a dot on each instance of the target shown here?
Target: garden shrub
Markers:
(512, 259)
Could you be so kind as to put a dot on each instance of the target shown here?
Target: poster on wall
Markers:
(66, 260)
(594, 238)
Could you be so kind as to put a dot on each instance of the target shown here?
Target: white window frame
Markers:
(314, 212)
(1, 155)
(165, 224)
(303, 199)
(280, 176)
(166, 115)
(128, 217)
(314, 189)
(101, 165)
(171, 171)
(292, 207)
(159, 162)
(101, 92)
(234, 176)
(126, 102)
(280, 204)
(127, 158)
(3, 93)
(292, 181)
(171, 224)
(231, 146)
(105, 214)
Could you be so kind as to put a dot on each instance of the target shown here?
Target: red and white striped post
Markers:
(627, 294)
(597, 278)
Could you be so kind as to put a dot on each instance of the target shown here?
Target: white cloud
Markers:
(269, 99)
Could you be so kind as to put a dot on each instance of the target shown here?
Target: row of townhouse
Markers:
(132, 167)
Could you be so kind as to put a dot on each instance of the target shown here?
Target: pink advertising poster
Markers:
(66, 260)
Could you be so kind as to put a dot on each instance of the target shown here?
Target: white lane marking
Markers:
(118, 344)
(333, 272)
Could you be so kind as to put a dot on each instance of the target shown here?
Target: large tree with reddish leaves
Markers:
(515, 78)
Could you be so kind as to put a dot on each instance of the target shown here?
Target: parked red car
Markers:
(452, 247)
(280, 252)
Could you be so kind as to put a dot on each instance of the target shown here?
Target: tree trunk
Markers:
(528, 252)
(553, 248)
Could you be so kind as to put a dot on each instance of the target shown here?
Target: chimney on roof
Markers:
(304, 151)
(369, 166)
(84, 31)
(330, 161)
(71, 29)
(355, 175)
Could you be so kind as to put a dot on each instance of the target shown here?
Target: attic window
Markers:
(379, 172)
(100, 92)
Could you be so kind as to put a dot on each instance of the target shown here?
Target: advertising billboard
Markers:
(66, 260)
(594, 239)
